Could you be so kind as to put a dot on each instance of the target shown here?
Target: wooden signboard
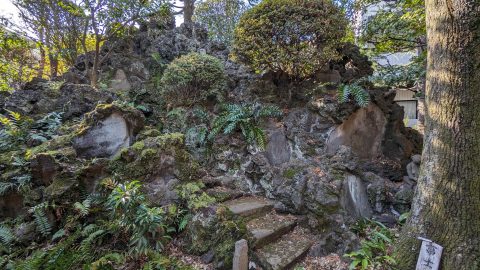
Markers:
(430, 255)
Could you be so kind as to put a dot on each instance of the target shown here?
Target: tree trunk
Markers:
(446, 206)
(96, 64)
(41, 64)
(53, 65)
(188, 10)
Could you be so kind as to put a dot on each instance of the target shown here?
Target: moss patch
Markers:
(153, 155)
(291, 172)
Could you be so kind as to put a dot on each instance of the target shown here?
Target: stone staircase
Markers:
(276, 242)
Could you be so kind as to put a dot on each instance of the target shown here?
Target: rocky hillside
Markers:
(121, 175)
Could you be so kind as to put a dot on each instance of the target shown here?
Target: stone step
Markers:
(267, 229)
(249, 207)
(222, 194)
(285, 252)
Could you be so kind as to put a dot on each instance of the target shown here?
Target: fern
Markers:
(83, 208)
(17, 129)
(108, 261)
(23, 181)
(92, 237)
(41, 219)
(246, 118)
(196, 136)
(58, 235)
(14, 131)
(5, 187)
(355, 91)
(6, 236)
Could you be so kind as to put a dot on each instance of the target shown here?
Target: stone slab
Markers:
(249, 206)
(285, 252)
(269, 228)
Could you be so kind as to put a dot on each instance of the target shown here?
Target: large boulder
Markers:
(162, 162)
(108, 129)
(40, 96)
(36, 97)
(44, 168)
(278, 148)
(78, 99)
(363, 132)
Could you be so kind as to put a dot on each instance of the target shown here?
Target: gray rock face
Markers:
(44, 169)
(77, 99)
(278, 149)
(403, 199)
(106, 139)
(354, 198)
(112, 129)
(38, 97)
(35, 98)
(161, 190)
(120, 83)
(25, 232)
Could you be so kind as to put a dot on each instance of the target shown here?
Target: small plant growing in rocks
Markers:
(245, 118)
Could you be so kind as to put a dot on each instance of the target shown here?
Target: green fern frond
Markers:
(41, 219)
(86, 244)
(23, 181)
(5, 187)
(355, 91)
(59, 234)
(246, 118)
(6, 236)
(108, 261)
(83, 208)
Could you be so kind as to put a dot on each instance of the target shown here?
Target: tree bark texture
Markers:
(188, 10)
(446, 206)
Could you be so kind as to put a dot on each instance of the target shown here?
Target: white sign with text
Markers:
(430, 255)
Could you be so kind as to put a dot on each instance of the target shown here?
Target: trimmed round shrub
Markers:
(193, 78)
(292, 37)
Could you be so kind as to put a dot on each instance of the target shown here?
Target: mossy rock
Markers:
(215, 228)
(154, 155)
(134, 118)
(106, 130)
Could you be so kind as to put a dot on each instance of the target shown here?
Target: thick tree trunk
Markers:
(446, 207)
(188, 10)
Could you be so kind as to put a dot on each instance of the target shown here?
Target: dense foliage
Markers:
(126, 228)
(17, 60)
(192, 79)
(376, 247)
(16, 130)
(245, 118)
(220, 17)
(294, 37)
(397, 27)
